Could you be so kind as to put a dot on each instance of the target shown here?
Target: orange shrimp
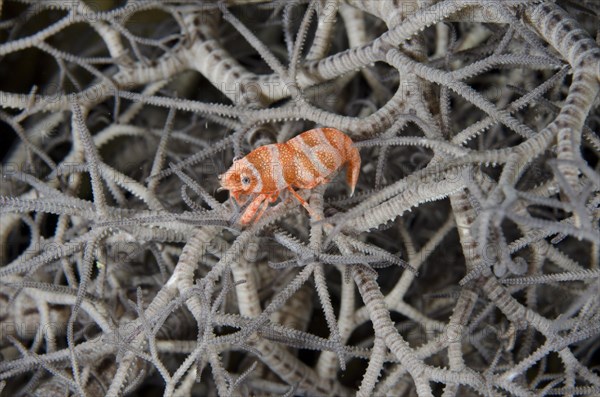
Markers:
(304, 162)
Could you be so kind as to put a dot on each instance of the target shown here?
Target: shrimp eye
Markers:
(245, 180)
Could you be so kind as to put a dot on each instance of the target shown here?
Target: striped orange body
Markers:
(304, 162)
